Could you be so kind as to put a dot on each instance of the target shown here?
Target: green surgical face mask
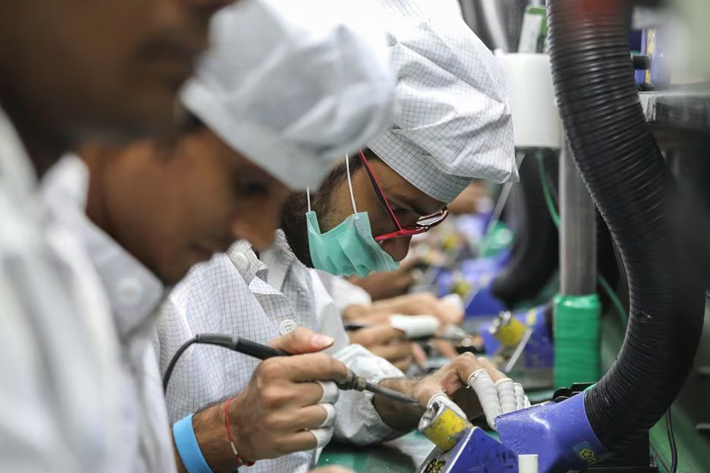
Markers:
(348, 249)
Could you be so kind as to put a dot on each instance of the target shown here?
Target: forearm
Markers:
(397, 415)
(380, 311)
(408, 305)
(210, 431)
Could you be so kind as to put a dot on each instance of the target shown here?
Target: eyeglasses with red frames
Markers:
(424, 224)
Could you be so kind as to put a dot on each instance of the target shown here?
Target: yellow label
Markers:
(511, 333)
(446, 429)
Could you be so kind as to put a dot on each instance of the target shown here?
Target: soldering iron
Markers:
(263, 352)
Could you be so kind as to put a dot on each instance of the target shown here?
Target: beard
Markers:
(293, 224)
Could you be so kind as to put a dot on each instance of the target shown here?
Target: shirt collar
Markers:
(278, 258)
(133, 291)
(246, 262)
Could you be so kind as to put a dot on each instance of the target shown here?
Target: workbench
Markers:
(404, 455)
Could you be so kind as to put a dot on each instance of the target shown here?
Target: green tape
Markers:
(577, 339)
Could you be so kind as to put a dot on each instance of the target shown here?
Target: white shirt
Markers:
(133, 296)
(343, 292)
(230, 294)
(59, 367)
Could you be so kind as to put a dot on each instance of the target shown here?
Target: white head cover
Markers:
(454, 122)
(294, 85)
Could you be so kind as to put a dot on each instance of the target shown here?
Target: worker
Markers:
(453, 125)
(165, 203)
(70, 70)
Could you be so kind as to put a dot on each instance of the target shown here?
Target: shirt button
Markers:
(129, 291)
(287, 326)
(241, 261)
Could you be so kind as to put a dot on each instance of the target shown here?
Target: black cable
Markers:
(671, 442)
(201, 339)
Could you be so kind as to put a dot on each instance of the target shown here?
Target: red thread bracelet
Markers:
(241, 461)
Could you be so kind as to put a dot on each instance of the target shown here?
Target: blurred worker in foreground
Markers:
(454, 124)
(70, 70)
(166, 204)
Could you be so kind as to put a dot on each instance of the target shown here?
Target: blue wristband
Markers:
(188, 448)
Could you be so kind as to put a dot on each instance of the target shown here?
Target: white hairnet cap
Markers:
(294, 85)
(454, 122)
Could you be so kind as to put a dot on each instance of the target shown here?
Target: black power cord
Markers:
(215, 339)
(671, 442)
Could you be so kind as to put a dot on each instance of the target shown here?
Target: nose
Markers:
(397, 247)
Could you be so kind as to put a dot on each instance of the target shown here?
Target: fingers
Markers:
(419, 354)
(449, 310)
(465, 365)
(427, 388)
(307, 418)
(496, 375)
(302, 340)
(310, 367)
(506, 395)
(329, 416)
(404, 364)
(330, 394)
(393, 351)
(322, 436)
(300, 441)
(446, 349)
(377, 335)
(487, 393)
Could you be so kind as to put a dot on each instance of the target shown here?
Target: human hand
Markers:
(446, 310)
(288, 404)
(493, 393)
(385, 285)
(387, 342)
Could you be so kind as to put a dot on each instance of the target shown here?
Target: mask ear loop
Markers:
(350, 183)
(308, 196)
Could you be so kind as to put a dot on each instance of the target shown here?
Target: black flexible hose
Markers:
(626, 175)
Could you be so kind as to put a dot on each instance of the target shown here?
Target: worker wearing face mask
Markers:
(158, 206)
(453, 124)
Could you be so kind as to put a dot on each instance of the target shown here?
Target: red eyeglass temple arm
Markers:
(379, 188)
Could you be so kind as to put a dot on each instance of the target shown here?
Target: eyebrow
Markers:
(409, 203)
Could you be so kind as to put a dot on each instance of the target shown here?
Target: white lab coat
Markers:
(230, 294)
(59, 405)
(133, 294)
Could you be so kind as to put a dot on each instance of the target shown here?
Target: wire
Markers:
(621, 310)
(203, 339)
(671, 442)
(548, 195)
